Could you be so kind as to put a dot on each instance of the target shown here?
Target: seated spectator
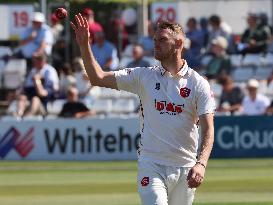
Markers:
(220, 63)
(231, 97)
(73, 108)
(269, 109)
(41, 86)
(218, 28)
(67, 79)
(255, 103)
(138, 58)
(36, 39)
(254, 38)
(192, 55)
(147, 42)
(94, 26)
(105, 52)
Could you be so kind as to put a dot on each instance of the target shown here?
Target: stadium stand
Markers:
(14, 73)
(268, 60)
(242, 73)
(252, 60)
(236, 60)
(107, 102)
(262, 72)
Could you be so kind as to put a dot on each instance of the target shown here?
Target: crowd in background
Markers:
(49, 77)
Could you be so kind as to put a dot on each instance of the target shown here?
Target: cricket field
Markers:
(228, 182)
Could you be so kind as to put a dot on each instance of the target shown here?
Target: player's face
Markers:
(164, 44)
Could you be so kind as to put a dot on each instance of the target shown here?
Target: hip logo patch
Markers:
(145, 181)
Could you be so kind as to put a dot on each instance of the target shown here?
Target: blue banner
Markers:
(243, 136)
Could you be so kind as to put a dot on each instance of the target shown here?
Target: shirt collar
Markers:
(181, 73)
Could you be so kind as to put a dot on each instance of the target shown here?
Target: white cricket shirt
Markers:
(170, 109)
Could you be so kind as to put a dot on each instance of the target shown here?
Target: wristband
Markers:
(201, 163)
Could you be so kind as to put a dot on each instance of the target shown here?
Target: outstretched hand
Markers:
(81, 29)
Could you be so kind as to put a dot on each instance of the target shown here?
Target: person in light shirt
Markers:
(41, 86)
(36, 39)
(255, 103)
(174, 99)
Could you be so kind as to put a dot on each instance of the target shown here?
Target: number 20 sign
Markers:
(164, 11)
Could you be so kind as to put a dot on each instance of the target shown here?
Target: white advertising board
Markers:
(14, 19)
(60, 139)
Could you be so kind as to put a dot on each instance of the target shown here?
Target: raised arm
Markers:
(95, 74)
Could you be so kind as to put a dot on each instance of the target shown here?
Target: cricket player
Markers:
(174, 98)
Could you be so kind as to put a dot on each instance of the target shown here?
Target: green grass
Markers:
(228, 182)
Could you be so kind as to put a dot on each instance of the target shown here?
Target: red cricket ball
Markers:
(61, 13)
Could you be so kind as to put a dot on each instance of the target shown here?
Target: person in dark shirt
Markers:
(231, 97)
(254, 38)
(73, 108)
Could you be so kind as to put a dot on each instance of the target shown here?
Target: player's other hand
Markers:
(81, 29)
(196, 176)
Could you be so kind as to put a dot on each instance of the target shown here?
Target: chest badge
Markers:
(185, 92)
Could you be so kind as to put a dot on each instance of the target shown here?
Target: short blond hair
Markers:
(175, 28)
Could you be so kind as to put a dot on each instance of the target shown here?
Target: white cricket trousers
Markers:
(163, 185)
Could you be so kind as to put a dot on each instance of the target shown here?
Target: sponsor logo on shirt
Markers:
(185, 92)
(169, 108)
(145, 181)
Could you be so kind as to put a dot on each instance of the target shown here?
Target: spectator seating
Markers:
(263, 72)
(123, 106)
(268, 60)
(236, 60)
(33, 118)
(102, 105)
(14, 73)
(242, 73)
(5, 50)
(55, 107)
(252, 60)
(10, 118)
